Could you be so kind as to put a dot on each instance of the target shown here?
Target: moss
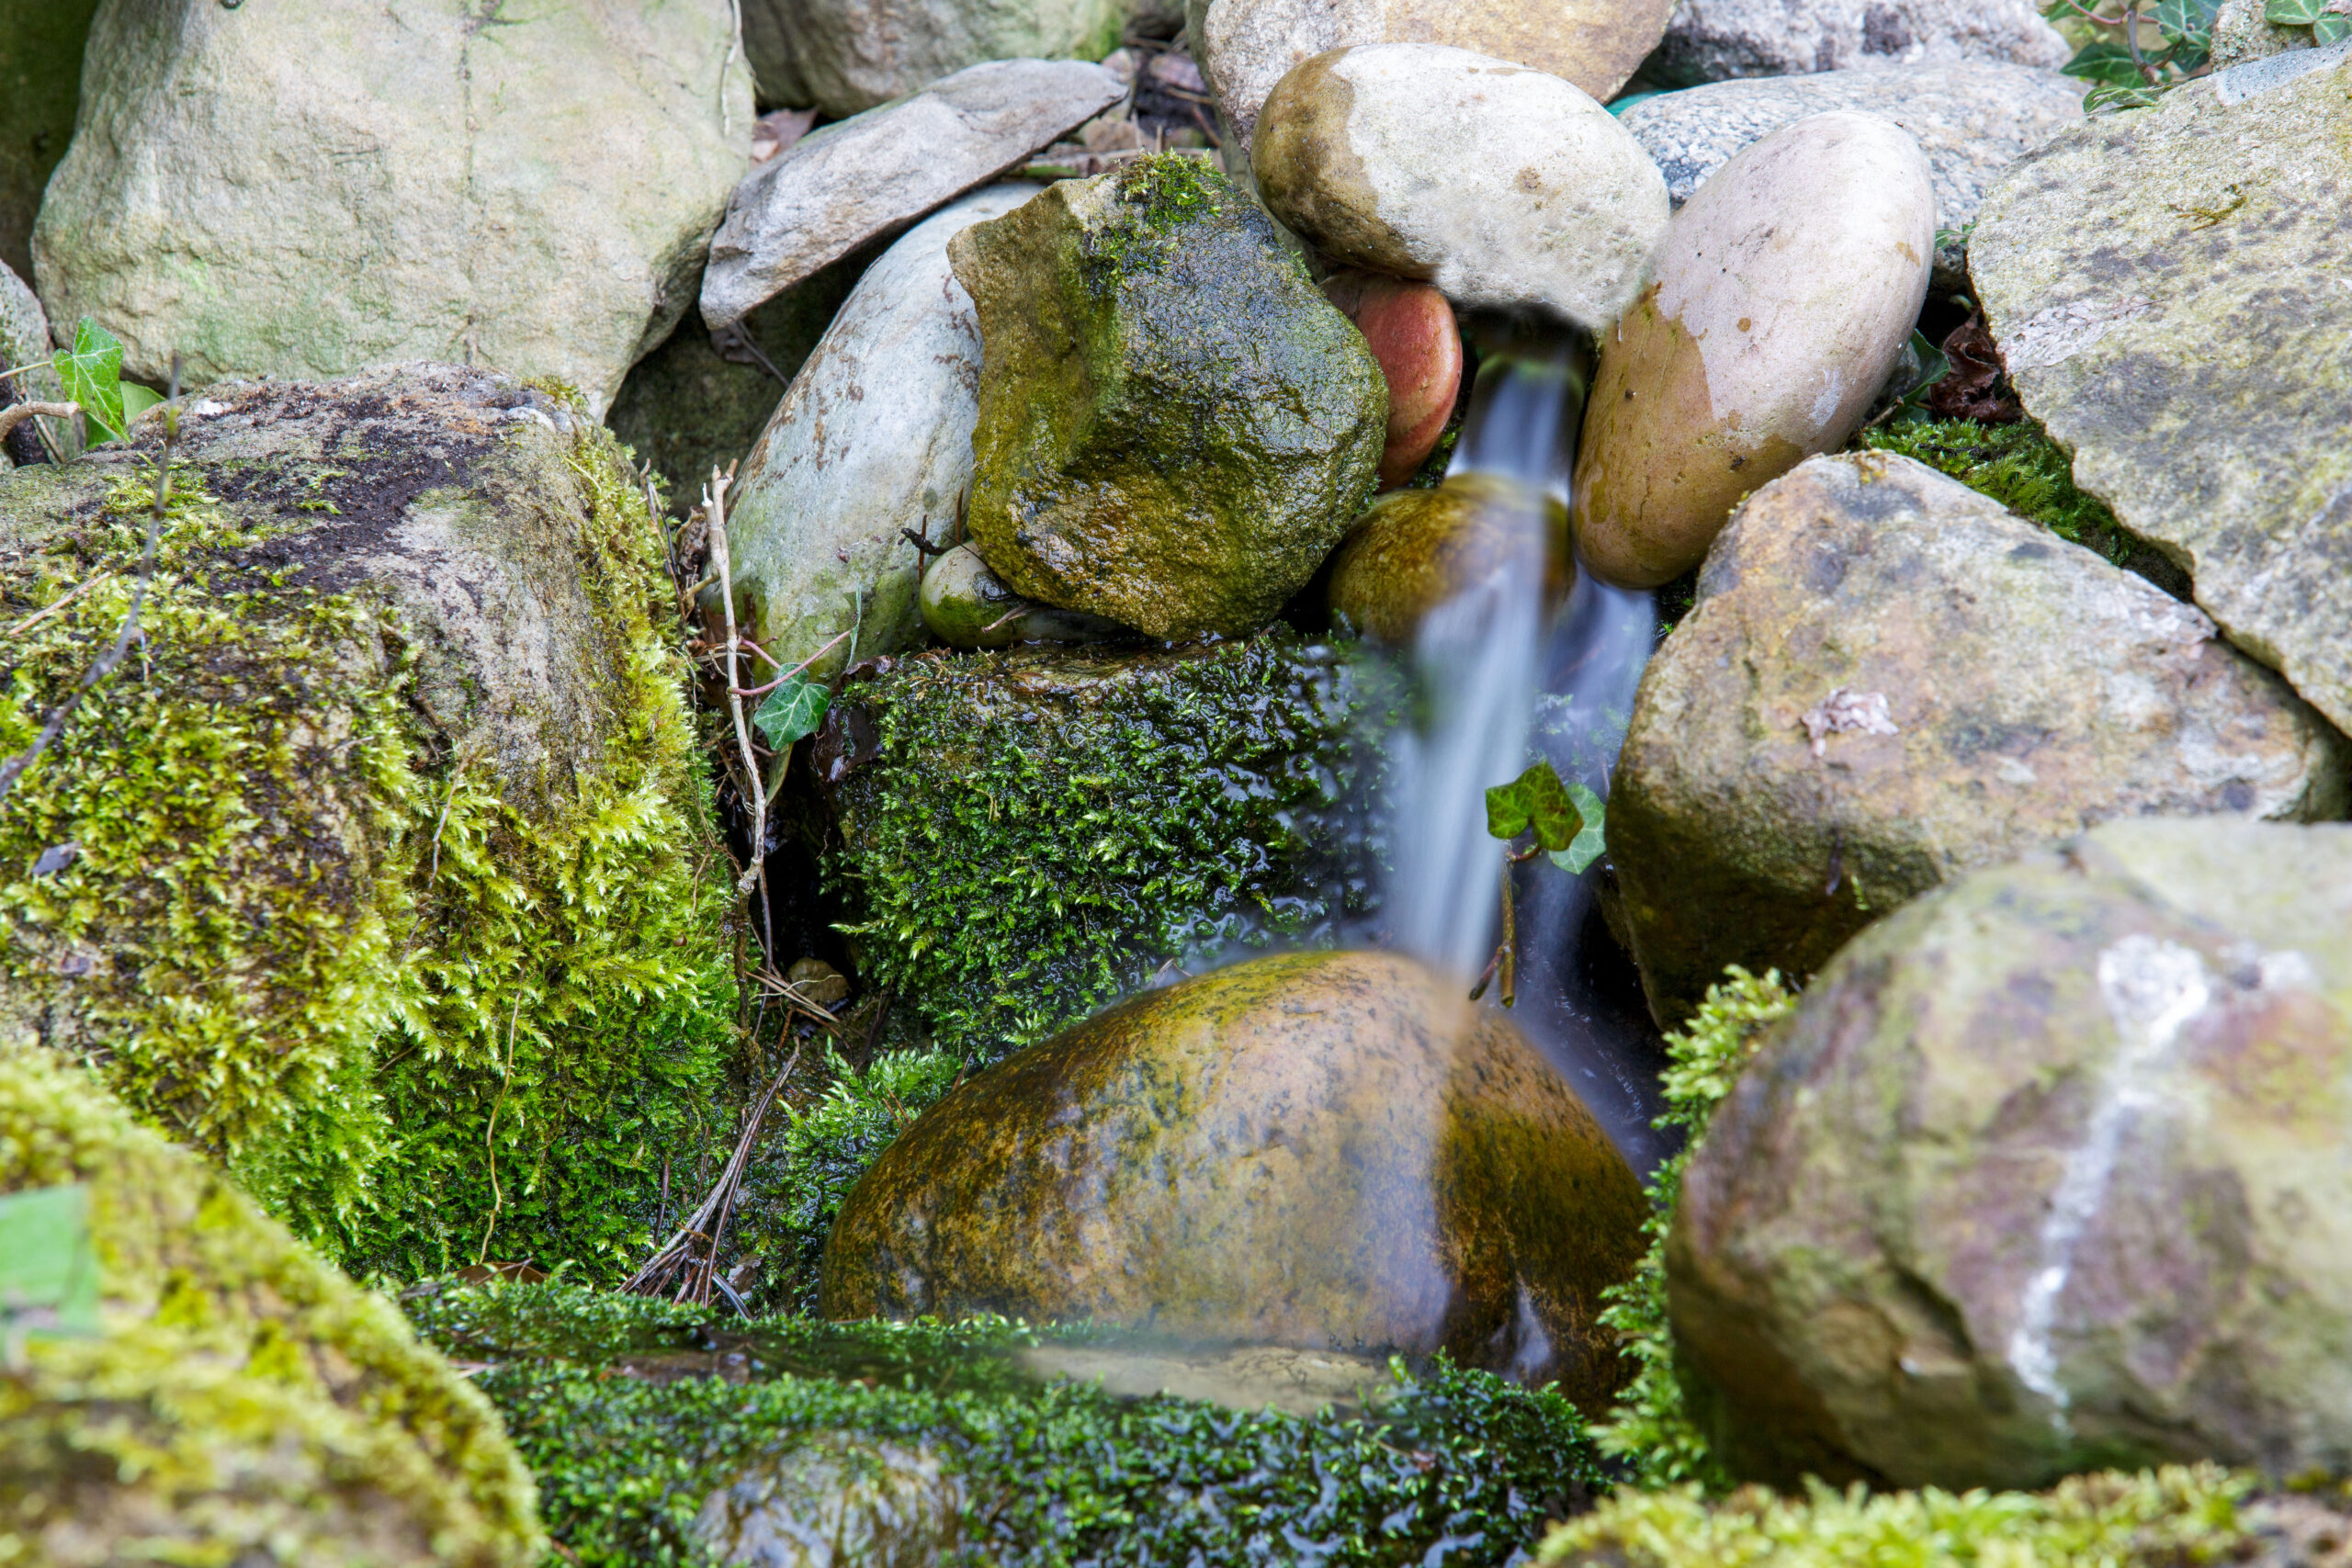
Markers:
(1157, 198)
(1451, 1466)
(243, 1402)
(422, 1009)
(1650, 1430)
(1039, 833)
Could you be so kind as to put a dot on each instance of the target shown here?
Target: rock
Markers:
(2047, 1172)
(1304, 1150)
(40, 79)
(1506, 188)
(216, 1394)
(2186, 333)
(533, 197)
(1786, 290)
(1418, 548)
(1247, 46)
(1175, 425)
(819, 981)
(24, 341)
(847, 58)
(2242, 32)
(1889, 681)
(874, 438)
(1409, 328)
(1712, 40)
(965, 606)
(1245, 1377)
(453, 861)
(866, 177)
(1031, 835)
(833, 1500)
(1971, 117)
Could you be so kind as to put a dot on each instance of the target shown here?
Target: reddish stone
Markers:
(1411, 331)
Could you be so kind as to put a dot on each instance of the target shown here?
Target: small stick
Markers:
(714, 503)
(772, 685)
(16, 414)
(38, 616)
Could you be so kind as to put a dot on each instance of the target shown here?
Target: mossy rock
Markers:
(1032, 834)
(240, 1401)
(635, 1415)
(1416, 548)
(383, 868)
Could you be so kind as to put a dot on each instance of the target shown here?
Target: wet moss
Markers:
(1451, 1467)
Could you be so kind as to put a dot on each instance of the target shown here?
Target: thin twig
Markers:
(678, 1250)
(714, 500)
(799, 668)
(490, 1134)
(38, 616)
(16, 414)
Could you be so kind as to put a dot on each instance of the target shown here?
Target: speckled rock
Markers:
(846, 56)
(834, 1500)
(24, 340)
(875, 437)
(2178, 316)
(2242, 32)
(2002, 688)
(1175, 425)
(1784, 295)
(1247, 46)
(1504, 187)
(2046, 1174)
(41, 78)
(1712, 40)
(1416, 548)
(1409, 328)
(859, 179)
(1971, 117)
(965, 606)
(366, 186)
(1304, 1150)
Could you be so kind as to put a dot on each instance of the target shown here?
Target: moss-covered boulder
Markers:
(1175, 425)
(235, 1400)
(653, 1428)
(1031, 834)
(1312, 1149)
(382, 869)
(1416, 548)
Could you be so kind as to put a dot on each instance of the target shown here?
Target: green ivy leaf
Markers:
(2334, 28)
(2188, 28)
(2104, 61)
(48, 1272)
(92, 371)
(2294, 13)
(1590, 842)
(1536, 799)
(136, 400)
(794, 709)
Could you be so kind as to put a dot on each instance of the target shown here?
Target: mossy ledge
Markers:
(389, 877)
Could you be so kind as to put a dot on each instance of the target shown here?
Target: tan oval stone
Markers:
(1784, 293)
(1302, 1150)
(1415, 549)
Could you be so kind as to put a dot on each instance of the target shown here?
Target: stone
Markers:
(216, 1394)
(835, 1500)
(1783, 296)
(1247, 45)
(1243, 1377)
(399, 809)
(1174, 424)
(868, 176)
(1972, 118)
(965, 606)
(1889, 681)
(1409, 328)
(2242, 33)
(874, 438)
(25, 342)
(2186, 333)
(1416, 548)
(1712, 40)
(1504, 187)
(40, 79)
(847, 58)
(2046, 1173)
(1312, 1149)
(380, 187)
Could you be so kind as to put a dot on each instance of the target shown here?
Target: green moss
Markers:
(1039, 833)
(2016, 465)
(1158, 197)
(1056, 1474)
(1650, 1430)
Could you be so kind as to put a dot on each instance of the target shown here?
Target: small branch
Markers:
(714, 506)
(490, 1134)
(2148, 72)
(797, 670)
(45, 612)
(16, 414)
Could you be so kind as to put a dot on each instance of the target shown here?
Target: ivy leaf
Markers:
(1590, 842)
(136, 400)
(92, 371)
(2188, 28)
(794, 709)
(2104, 61)
(2334, 28)
(2294, 13)
(1535, 799)
(48, 1272)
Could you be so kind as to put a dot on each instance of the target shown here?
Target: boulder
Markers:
(874, 438)
(866, 177)
(1505, 187)
(25, 342)
(1410, 329)
(830, 1499)
(1175, 425)
(1887, 682)
(1416, 548)
(1712, 40)
(1247, 46)
(2177, 317)
(965, 606)
(381, 872)
(2243, 33)
(375, 186)
(40, 79)
(1972, 118)
(846, 58)
(2047, 1173)
(1314, 1149)
(195, 1386)
(1784, 297)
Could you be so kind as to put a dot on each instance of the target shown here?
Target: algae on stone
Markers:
(1175, 425)
(384, 868)
(242, 1402)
